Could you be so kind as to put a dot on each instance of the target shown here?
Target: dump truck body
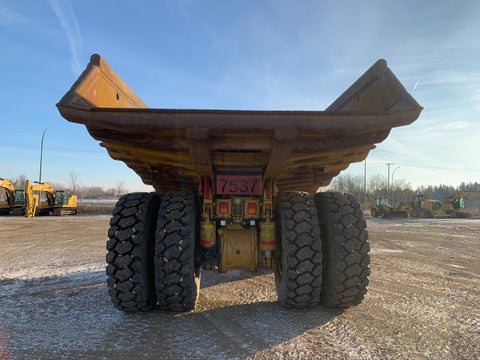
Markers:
(172, 149)
(234, 189)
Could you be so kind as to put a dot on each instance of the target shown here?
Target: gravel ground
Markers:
(422, 301)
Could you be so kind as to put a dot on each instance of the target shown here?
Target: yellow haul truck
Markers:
(237, 190)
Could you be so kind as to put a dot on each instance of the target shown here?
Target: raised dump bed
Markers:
(236, 189)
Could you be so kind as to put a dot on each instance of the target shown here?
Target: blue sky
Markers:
(266, 55)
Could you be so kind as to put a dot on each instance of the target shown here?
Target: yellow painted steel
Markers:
(9, 190)
(208, 236)
(31, 200)
(298, 150)
(267, 236)
(238, 248)
(101, 86)
(36, 203)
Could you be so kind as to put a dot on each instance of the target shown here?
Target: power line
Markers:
(420, 166)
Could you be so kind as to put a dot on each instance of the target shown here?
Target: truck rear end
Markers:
(237, 190)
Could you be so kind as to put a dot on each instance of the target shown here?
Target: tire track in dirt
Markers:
(422, 303)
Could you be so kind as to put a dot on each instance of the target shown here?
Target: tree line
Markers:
(399, 191)
(82, 192)
(377, 186)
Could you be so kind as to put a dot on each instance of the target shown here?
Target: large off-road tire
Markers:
(298, 254)
(425, 214)
(177, 268)
(345, 249)
(18, 212)
(130, 248)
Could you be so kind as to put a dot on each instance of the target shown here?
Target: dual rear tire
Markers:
(152, 258)
(322, 250)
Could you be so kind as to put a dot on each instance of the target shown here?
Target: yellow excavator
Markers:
(13, 200)
(456, 205)
(382, 207)
(43, 199)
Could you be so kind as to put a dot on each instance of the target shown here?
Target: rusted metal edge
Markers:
(377, 100)
(124, 120)
(301, 149)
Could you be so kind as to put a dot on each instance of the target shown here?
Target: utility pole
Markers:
(365, 179)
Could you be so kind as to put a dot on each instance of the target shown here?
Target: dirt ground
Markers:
(422, 303)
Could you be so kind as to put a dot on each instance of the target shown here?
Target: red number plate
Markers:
(239, 184)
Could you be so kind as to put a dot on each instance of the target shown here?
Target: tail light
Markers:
(252, 208)
(223, 208)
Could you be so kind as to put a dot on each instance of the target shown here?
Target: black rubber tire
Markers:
(298, 254)
(177, 268)
(345, 249)
(425, 214)
(130, 248)
(18, 212)
(415, 213)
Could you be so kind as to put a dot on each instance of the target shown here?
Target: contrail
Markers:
(416, 84)
(63, 10)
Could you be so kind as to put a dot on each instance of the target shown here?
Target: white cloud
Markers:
(63, 10)
(456, 125)
(8, 17)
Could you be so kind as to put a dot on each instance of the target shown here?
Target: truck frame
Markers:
(237, 190)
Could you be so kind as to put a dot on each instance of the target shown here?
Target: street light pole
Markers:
(393, 173)
(388, 178)
(365, 178)
(41, 155)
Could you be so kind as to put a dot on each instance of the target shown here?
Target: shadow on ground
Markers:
(71, 317)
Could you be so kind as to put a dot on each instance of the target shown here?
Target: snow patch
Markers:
(52, 270)
(385, 251)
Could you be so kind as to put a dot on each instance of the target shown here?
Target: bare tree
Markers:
(19, 182)
(120, 188)
(348, 183)
(377, 186)
(94, 192)
(73, 182)
(401, 191)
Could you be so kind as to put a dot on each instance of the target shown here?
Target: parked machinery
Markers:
(14, 201)
(421, 207)
(456, 205)
(43, 199)
(381, 207)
